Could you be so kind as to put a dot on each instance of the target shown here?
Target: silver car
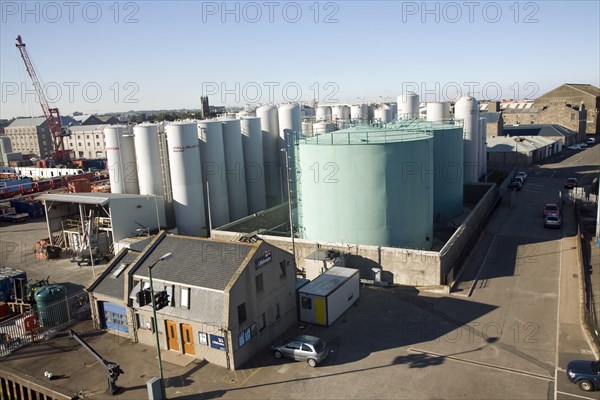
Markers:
(303, 348)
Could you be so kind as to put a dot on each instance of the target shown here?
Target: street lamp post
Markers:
(155, 324)
(289, 193)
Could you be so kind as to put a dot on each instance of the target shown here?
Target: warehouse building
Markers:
(227, 300)
(32, 135)
(87, 141)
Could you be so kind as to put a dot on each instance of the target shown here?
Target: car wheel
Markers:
(277, 354)
(312, 362)
(586, 386)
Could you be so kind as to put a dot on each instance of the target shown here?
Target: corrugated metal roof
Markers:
(89, 198)
(326, 283)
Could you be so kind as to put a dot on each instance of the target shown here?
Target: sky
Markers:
(113, 56)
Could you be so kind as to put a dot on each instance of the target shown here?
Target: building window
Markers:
(282, 266)
(97, 136)
(87, 136)
(259, 283)
(185, 297)
(307, 303)
(88, 144)
(97, 144)
(79, 144)
(261, 322)
(242, 313)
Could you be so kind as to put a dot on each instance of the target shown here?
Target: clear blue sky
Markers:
(163, 55)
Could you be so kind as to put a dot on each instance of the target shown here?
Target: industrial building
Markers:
(227, 300)
(31, 136)
(510, 151)
(104, 222)
(573, 106)
(86, 141)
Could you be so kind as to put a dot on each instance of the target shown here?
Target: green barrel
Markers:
(52, 305)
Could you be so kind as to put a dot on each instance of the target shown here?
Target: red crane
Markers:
(52, 115)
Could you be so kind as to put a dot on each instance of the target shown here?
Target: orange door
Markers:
(172, 340)
(188, 339)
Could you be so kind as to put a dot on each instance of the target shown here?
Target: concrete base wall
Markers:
(464, 239)
(399, 266)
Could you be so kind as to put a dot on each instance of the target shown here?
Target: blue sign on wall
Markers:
(217, 342)
(266, 258)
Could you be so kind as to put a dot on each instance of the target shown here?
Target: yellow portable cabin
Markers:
(324, 299)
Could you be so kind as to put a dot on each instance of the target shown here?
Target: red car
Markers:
(571, 183)
(551, 209)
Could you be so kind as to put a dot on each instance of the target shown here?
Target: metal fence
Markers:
(43, 322)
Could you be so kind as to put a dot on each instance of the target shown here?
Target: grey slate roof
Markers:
(537, 130)
(115, 287)
(37, 121)
(196, 262)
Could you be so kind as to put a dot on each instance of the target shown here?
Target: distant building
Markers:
(507, 152)
(227, 300)
(573, 96)
(574, 106)
(87, 141)
(32, 135)
(204, 109)
(97, 119)
(554, 132)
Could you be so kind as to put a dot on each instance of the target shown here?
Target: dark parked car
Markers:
(586, 374)
(303, 348)
(515, 184)
(571, 183)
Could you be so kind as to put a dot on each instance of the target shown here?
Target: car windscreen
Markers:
(320, 345)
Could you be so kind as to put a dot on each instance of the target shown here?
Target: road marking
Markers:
(578, 396)
(492, 366)
(558, 322)
(284, 369)
(586, 351)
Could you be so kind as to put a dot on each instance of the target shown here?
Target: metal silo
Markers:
(483, 145)
(320, 128)
(269, 121)
(186, 177)
(120, 160)
(233, 172)
(467, 109)
(323, 114)
(438, 111)
(212, 155)
(307, 128)
(359, 112)
(394, 107)
(290, 125)
(448, 170)
(408, 106)
(383, 113)
(253, 164)
(148, 158)
(371, 191)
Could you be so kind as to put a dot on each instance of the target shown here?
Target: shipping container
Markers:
(323, 300)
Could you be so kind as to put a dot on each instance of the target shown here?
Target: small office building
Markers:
(227, 300)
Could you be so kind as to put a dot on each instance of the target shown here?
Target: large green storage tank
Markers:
(52, 305)
(367, 185)
(448, 168)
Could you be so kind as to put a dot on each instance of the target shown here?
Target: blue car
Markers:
(586, 374)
